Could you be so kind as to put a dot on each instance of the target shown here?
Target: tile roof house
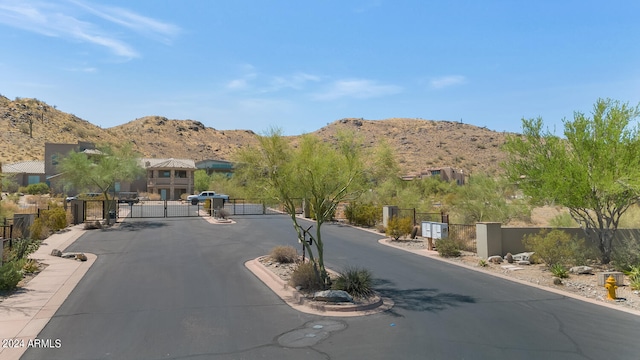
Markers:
(26, 172)
(170, 178)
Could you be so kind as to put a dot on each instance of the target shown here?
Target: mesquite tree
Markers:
(594, 170)
(322, 174)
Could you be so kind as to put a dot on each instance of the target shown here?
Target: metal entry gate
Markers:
(159, 209)
(166, 209)
(255, 207)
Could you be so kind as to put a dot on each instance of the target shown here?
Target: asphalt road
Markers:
(177, 289)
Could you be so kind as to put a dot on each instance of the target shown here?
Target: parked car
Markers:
(206, 195)
(128, 197)
(86, 196)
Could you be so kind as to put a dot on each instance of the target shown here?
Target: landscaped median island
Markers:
(282, 277)
(582, 282)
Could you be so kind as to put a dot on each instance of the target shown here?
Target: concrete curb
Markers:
(24, 314)
(434, 255)
(295, 299)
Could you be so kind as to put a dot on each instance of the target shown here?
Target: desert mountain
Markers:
(28, 123)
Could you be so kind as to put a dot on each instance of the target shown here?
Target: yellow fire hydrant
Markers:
(611, 287)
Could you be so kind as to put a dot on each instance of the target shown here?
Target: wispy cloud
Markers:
(55, 20)
(357, 88)
(295, 81)
(260, 83)
(133, 21)
(446, 81)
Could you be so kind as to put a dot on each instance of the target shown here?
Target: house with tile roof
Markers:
(170, 178)
(26, 172)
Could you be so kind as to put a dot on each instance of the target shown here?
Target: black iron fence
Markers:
(419, 217)
(464, 235)
(258, 207)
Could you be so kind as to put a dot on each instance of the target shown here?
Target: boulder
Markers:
(524, 262)
(333, 296)
(81, 257)
(68, 255)
(581, 270)
(496, 259)
(523, 256)
(56, 252)
(557, 281)
(509, 258)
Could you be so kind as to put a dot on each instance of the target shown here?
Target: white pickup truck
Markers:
(206, 195)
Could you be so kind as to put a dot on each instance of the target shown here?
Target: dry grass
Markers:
(419, 144)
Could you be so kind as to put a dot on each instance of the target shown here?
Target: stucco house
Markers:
(169, 177)
(25, 173)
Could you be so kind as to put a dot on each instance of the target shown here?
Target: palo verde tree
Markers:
(594, 171)
(322, 174)
(100, 170)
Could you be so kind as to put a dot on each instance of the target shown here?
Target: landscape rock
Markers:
(524, 262)
(557, 281)
(523, 256)
(509, 258)
(333, 296)
(56, 252)
(581, 270)
(68, 255)
(81, 257)
(496, 259)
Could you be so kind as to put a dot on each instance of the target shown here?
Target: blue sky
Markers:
(300, 65)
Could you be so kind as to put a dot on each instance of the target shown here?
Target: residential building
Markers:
(25, 173)
(444, 173)
(212, 166)
(170, 178)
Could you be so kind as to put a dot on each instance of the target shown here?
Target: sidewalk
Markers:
(24, 314)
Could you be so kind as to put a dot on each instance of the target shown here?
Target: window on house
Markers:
(33, 179)
(54, 159)
(435, 172)
(181, 174)
(164, 173)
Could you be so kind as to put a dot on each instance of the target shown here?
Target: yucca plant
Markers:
(559, 271)
(356, 281)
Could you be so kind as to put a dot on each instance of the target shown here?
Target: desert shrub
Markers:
(30, 266)
(21, 249)
(553, 247)
(284, 254)
(559, 270)
(563, 220)
(356, 281)
(448, 248)
(35, 189)
(305, 277)
(582, 252)
(483, 263)
(362, 214)
(626, 252)
(10, 274)
(399, 227)
(51, 220)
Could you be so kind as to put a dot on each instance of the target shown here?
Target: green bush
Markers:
(362, 214)
(21, 249)
(51, 220)
(305, 277)
(356, 281)
(626, 252)
(284, 254)
(35, 189)
(399, 227)
(559, 270)
(448, 248)
(563, 220)
(553, 247)
(10, 274)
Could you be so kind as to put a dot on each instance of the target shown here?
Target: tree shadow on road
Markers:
(136, 226)
(419, 299)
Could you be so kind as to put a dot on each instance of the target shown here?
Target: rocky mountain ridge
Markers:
(420, 144)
